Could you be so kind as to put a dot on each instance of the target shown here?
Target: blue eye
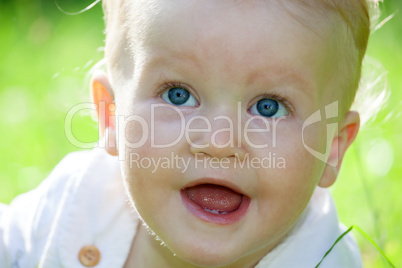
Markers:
(179, 96)
(269, 108)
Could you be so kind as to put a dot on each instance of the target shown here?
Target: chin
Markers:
(208, 261)
(206, 256)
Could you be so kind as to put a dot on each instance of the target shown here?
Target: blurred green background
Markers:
(45, 57)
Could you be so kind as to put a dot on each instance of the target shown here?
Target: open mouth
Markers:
(215, 203)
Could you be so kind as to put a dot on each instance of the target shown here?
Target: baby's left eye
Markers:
(269, 108)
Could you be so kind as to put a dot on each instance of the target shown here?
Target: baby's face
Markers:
(213, 66)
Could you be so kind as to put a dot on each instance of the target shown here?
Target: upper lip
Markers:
(216, 181)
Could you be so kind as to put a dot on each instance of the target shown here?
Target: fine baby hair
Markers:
(214, 148)
(356, 19)
(359, 19)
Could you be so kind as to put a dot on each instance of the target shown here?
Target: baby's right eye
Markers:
(179, 96)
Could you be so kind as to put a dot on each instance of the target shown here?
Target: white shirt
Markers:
(84, 202)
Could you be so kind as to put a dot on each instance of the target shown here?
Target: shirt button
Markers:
(89, 256)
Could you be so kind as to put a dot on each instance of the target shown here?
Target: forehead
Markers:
(261, 35)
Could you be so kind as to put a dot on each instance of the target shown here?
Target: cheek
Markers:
(149, 126)
(167, 127)
(302, 169)
(287, 185)
(147, 142)
(150, 187)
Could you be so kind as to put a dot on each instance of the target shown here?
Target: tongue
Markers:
(214, 198)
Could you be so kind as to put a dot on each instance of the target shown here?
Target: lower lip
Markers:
(223, 219)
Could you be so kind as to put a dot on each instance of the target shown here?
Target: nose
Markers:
(216, 136)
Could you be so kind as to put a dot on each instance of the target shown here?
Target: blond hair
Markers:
(356, 16)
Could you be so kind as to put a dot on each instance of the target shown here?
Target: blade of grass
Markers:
(363, 233)
(360, 230)
(333, 245)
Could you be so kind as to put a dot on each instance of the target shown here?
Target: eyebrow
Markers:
(278, 74)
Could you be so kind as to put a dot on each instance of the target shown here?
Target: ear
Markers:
(348, 129)
(103, 97)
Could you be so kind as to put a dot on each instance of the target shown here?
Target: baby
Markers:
(223, 122)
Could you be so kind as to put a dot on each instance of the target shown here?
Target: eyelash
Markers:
(167, 84)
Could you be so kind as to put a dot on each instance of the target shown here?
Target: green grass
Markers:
(367, 192)
(45, 56)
